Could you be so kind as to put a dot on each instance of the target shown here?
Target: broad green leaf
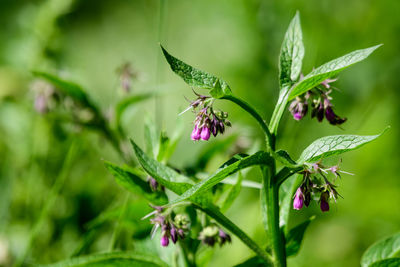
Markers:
(233, 193)
(292, 53)
(334, 145)
(383, 249)
(135, 184)
(329, 70)
(122, 259)
(295, 236)
(164, 175)
(393, 262)
(197, 78)
(128, 102)
(66, 87)
(259, 158)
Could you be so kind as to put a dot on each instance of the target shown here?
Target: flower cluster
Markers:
(208, 121)
(313, 186)
(211, 235)
(319, 101)
(170, 229)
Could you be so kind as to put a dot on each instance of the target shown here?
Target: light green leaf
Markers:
(292, 53)
(150, 136)
(295, 236)
(162, 146)
(233, 193)
(381, 250)
(393, 262)
(197, 78)
(259, 158)
(329, 70)
(334, 145)
(135, 184)
(123, 105)
(164, 175)
(122, 259)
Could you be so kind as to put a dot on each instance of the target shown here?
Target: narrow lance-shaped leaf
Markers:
(164, 175)
(117, 259)
(383, 249)
(135, 184)
(233, 194)
(292, 53)
(329, 70)
(295, 237)
(393, 262)
(197, 78)
(334, 145)
(259, 158)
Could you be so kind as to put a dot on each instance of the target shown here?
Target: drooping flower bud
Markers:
(324, 201)
(330, 114)
(205, 133)
(153, 183)
(224, 237)
(174, 234)
(181, 233)
(298, 199)
(164, 240)
(208, 235)
(196, 133)
(298, 108)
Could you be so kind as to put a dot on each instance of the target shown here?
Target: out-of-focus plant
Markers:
(188, 208)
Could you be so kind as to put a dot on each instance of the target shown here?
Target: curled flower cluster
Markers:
(319, 101)
(207, 121)
(211, 235)
(170, 229)
(313, 186)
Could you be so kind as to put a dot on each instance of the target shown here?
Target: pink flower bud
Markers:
(164, 241)
(174, 235)
(298, 199)
(195, 134)
(205, 133)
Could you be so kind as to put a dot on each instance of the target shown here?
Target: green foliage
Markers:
(382, 250)
(233, 193)
(118, 259)
(292, 53)
(124, 104)
(394, 262)
(329, 70)
(295, 237)
(334, 145)
(133, 183)
(197, 78)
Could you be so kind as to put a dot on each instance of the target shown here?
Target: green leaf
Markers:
(286, 192)
(233, 193)
(334, 145)
(164, 175)
(123, 259)
(329, 70)
(150, 136)
(163, 146)
(292, 53)
(295, 236)
(135, 184)
(127, 102)
(66, 87)
(259, 158)
(394, 262)
(197, 78)
(381, 250)
(255, 261)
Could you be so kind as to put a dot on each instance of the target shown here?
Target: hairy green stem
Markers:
(279, 110)
(225, 222)
(244, 105)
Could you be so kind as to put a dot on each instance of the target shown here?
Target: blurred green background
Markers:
(86, 41)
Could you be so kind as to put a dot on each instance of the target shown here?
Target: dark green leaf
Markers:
(381, 250)
(295, 236)
(197, 78)
(122, 259)
(259, 158)
(164, 175)
(394, 262)
(135, 184)
(334, 145)
(285, 159)
(127, 102)
(329, 70)
(233, 193)
(253, 262)
(292, 53)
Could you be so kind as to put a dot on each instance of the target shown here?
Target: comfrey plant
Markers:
(188, 212)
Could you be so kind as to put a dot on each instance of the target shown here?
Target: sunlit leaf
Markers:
(383, 249)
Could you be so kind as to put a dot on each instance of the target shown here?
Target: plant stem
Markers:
(244, 105)
(278, 111)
